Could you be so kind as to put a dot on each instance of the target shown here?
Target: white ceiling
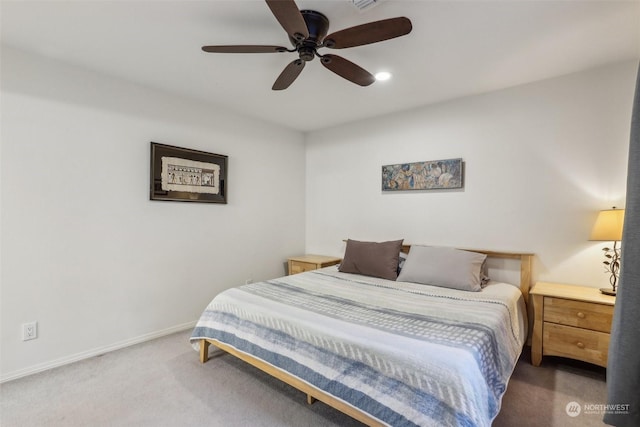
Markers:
(456, 48)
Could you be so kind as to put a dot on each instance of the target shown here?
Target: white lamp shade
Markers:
(608, 225)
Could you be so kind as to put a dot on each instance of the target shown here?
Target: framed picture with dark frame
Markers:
(186, 175)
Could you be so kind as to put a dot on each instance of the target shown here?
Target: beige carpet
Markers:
(539, 396)
(161, 383)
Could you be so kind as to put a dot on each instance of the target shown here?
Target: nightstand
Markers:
(300, 264)
(571, 321)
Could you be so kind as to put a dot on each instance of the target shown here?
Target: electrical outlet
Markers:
(29, 331)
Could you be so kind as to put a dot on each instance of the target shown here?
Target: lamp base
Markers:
(608, 291)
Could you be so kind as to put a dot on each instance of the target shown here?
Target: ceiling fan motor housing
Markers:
(318, 26)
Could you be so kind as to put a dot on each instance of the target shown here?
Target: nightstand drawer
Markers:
(301, 267)
(576, 343)
(578, 313)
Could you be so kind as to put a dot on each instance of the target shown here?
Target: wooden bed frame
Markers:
(313, 393)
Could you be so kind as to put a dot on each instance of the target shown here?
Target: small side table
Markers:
(300, 264)
(571, 321)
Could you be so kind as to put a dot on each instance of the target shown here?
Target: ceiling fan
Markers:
(307, 30)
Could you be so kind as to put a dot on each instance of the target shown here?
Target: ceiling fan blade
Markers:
(244, 49)
(348, 70)
(289, 16)
(289, 74)
(372, 32)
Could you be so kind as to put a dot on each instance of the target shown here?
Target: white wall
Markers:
(84, 250)
(86, 254)
(540, 161)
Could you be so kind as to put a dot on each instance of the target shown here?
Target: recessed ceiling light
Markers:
(382, 76)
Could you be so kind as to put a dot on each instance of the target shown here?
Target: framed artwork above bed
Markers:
(429, 175)
(186, 175)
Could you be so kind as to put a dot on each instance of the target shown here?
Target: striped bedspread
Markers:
(404, 353)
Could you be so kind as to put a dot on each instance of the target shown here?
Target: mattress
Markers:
(405, 354)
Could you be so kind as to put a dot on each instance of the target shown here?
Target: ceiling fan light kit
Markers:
(307, 30)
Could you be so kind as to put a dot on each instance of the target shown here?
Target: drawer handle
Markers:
(580, 344)
(581, 315)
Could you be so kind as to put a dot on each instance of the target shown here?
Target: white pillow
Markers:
(446, 267)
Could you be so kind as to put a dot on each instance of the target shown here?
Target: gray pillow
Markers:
(372, 259)
(446, 267)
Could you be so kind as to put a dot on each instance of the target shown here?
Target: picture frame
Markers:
(430, 175)
(186, 175)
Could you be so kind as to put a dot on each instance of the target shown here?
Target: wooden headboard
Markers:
(525, 265)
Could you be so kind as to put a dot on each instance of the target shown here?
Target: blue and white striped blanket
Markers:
(404, 353)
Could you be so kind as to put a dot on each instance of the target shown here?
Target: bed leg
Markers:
(310, 399)
(204, 350)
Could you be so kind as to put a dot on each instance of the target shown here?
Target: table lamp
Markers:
(608, 227)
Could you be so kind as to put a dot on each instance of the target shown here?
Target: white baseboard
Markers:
(93, 352)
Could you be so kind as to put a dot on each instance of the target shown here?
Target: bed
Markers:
(385, 352)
